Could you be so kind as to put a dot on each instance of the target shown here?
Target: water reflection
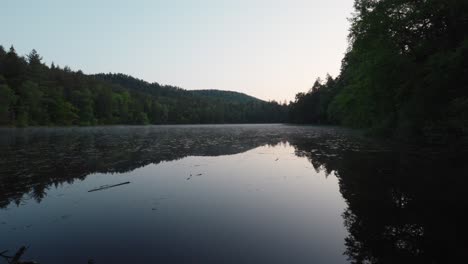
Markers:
(404, 204)
(31, 160)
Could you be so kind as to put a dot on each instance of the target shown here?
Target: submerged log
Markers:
(16, 259)
(104, 187)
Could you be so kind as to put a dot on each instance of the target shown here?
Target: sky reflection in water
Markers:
(212, 194)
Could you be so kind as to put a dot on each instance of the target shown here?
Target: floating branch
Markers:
(104, 187)
(16, 259)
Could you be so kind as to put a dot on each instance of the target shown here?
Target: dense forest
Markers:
(405, 73)
(34, 94)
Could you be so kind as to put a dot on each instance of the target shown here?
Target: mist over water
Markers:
(226, 194)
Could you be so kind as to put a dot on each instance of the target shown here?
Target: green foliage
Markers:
(7, 101)
(405, 73)
(34, 94)
(226, 95)
(29, 106)
(312, 107)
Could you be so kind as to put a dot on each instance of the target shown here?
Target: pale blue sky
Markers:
(268, 49)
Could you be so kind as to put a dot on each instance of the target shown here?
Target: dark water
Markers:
(228, 194)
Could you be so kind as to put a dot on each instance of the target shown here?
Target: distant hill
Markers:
(226, 95)
(136, 84)
(35, 94)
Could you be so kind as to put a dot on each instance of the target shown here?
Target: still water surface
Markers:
(227, 194)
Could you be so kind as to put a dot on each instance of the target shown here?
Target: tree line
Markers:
(34, 94)
(404, 74)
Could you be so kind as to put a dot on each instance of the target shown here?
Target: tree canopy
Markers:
(33, 94)
(404, 75)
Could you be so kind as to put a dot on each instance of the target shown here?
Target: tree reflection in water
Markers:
(405, 204)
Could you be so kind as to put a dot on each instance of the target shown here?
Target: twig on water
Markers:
(16, 259)
(104, 187)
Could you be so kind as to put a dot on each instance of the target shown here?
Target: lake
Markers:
(228, 194)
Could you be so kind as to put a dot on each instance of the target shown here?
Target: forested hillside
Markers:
(32, 94)
(226, 95)
(405, 73)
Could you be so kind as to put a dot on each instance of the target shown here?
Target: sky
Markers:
(270, 49)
